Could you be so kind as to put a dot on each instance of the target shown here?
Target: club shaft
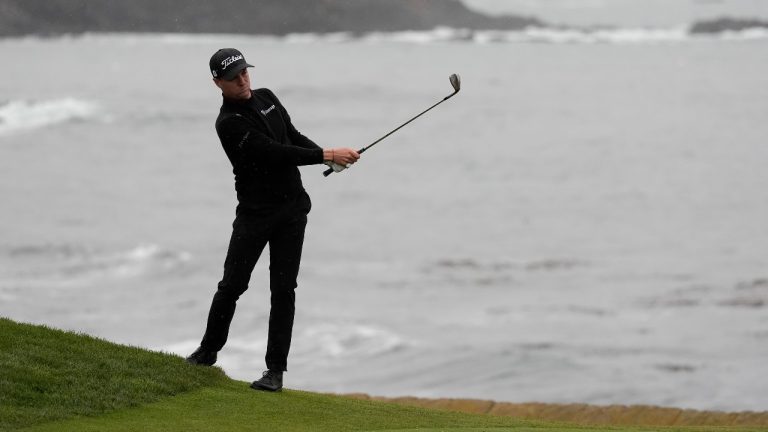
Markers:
(329, 171)
(404, 124)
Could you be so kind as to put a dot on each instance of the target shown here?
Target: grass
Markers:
(52, 380)
(47, 375)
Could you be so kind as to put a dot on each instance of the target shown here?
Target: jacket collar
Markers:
(243, 106)
(239, 103)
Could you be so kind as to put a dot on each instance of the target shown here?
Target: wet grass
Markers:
(52, 380)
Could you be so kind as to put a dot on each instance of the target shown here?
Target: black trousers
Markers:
(283, 229)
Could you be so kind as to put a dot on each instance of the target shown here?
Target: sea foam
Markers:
(334, 340)
(22, 115)
(67, 264)
(539, 35)
(548, 35)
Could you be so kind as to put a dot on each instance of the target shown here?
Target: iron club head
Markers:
(455, 82)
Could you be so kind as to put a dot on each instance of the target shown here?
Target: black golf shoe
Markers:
(202, 357)
(270, 381)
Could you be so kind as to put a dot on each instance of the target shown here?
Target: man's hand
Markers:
(341, 156)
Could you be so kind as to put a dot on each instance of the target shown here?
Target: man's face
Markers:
(236, 88)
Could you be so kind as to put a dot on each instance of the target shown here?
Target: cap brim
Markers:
(232, 73)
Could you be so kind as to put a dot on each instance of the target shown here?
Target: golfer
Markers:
(265, 150)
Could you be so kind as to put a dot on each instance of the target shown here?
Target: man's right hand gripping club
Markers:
(340, 158)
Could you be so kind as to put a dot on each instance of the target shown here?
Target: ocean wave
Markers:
(54, 263)
(749, 294)
(747, 34)
(549, 35)
(349, 340)
(543, 35)
(570, 36)
(588, 36)
(22, 115)
(535, 35)
(496, 272)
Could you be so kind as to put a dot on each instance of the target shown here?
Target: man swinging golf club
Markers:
(265, 150)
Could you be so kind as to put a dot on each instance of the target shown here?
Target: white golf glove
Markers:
(336, 167)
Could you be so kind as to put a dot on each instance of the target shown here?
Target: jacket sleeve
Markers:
(296, 137)
(247, 146)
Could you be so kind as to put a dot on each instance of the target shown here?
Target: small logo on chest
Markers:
(268, 110)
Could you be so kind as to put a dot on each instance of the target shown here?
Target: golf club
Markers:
(455, 83)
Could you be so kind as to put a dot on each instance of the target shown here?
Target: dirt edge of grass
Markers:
(584, 414)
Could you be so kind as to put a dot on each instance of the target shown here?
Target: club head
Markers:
(455, 82)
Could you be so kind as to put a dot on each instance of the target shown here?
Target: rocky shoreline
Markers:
(721, 25)
(273, 17)
(276, 17)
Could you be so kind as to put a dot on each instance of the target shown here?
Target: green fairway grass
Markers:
(52, 380)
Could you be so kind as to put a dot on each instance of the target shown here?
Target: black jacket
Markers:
(265, 150)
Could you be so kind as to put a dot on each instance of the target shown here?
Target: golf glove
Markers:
(336, 167)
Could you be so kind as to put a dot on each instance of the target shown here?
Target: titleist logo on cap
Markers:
(225, 63)
(229, 60)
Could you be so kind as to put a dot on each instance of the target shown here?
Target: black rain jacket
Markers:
(265, 150)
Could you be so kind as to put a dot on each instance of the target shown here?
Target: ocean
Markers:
(584, 222)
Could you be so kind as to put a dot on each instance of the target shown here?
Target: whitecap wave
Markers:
(63, 264)
(439, 34)
(349, 340)
(22, 115)
(495, 273)
(746, 34)
(545, 35)
(622, 36)
(317, 37)
(588, 36)
(550, 35)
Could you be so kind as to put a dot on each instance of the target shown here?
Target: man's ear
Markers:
(217, 82)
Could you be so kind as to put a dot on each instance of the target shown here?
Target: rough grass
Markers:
(57, 381)
(48, 374)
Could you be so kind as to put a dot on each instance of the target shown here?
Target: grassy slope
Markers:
(49, 374)
(56, 381)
